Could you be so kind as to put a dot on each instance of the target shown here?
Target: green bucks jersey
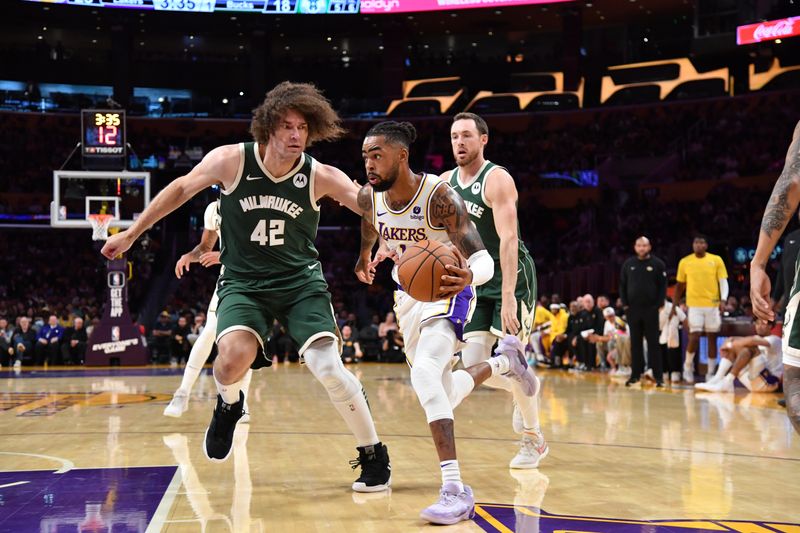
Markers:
(481, 215)
(268, 223)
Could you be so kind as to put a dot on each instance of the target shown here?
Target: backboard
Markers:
(76, 194)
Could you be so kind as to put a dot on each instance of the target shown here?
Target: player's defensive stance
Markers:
(270, 214)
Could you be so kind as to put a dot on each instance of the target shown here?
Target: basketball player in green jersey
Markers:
(507, 302)
(269, 210)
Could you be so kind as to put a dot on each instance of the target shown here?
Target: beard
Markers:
(469, 158)
(386, 184)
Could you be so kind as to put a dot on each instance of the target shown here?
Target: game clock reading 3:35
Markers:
(103, 133)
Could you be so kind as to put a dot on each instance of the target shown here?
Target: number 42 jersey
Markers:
(269, 223)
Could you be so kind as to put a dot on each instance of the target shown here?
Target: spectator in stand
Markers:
(603, 301)
(351, 350)
(48, 342)
(162, 332)
(196, 328)
(24, 341)
(574, 328)
(615, 342)
(643, 288)
(389, 324)
(73, 344)
(670, 339)
(558, 332)
(592, 322)
(540, 335)
(704, 278)
(180, 341)
(731, 308)
(6, 342)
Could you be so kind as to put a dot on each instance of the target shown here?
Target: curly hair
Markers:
(323, 122)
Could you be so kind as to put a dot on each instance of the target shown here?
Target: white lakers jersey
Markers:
(411, 224)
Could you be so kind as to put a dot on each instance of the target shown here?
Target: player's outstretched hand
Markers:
(209, 259)
(117, 244)
(760, 287)
(383, 254)
(182, 265)
(364, 270)
(460, 276)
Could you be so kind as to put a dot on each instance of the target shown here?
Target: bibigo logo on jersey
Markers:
(300, 181)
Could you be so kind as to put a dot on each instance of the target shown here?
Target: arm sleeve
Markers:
(482, 266)
(723, 290)
(211, 217)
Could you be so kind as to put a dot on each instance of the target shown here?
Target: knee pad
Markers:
(426, 378)
(323, 360)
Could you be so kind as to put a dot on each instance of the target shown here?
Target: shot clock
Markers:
(103, 137)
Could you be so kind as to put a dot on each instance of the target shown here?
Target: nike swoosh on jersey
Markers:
(253, 178)
(381, 214)
(312, 266)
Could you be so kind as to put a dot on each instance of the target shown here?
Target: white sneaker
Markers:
(648, 374)
(17, 364)
(702, 386)
(688, 374)
(178, 405)
(517, 423)
(531, 452)
(675, 377)
(723, 385)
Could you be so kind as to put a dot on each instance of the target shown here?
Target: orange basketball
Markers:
(421, 269)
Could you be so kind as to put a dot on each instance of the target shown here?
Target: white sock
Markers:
(229, 393)
(689, 363)
(723, 368)
(499, 364)
(478, 350)
(451, 473)
(528, 406)
(356, 415)
(245, 383)
(199, 354)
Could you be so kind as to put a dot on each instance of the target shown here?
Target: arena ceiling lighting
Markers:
(299, 6)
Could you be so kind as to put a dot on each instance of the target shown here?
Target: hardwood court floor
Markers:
(88, 448)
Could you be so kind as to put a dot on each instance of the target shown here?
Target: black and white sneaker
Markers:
(376, 472)
(219, 435)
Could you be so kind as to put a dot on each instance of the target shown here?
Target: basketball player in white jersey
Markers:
(403, 208)
(755, 361)
(507, 302)
(202, 253)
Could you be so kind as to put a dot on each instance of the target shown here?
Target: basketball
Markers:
(421, 269)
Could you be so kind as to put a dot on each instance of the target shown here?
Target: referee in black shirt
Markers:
(643, 289)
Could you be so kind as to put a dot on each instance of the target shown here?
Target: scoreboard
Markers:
(212, 6)
(299, 6)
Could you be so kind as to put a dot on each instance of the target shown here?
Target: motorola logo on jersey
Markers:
(476, 187)
(300, 181)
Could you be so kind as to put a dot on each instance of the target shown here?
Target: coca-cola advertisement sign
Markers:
(768, 31)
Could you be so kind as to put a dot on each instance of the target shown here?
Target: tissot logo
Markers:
(380, 5)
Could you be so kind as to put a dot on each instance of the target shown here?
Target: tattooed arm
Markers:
(365, 272)
(780, 208)
(448, 210)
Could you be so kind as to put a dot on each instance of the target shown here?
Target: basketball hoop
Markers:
(100, 224)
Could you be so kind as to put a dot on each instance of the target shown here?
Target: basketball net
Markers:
(100, 224)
